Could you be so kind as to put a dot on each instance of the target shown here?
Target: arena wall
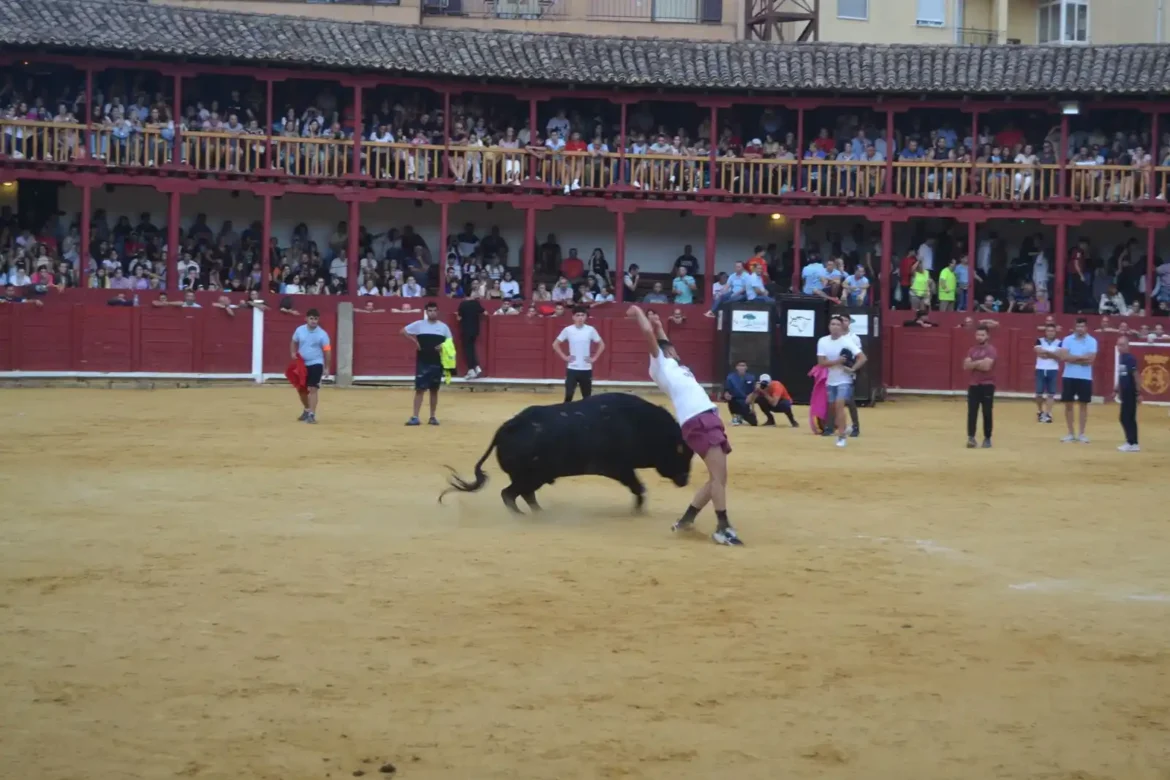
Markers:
(85, 337)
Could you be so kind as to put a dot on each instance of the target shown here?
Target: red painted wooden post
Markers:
(357, 136)
(622, 145)
(444, 228)
(799, 150)
(1151, 247)
(271, 161)
(1061, 267)
(90, 148)
(891, 150)
(85, 217)
(265, 242)
(971, 237)
(177, 153)
(619, 265)
(447, 135)
(796, 225)
(1152, 182)
(1062, 157)
(709, 258)
(351, 248)
(173, 242)
(533, 134)
(885, 285)
(529, 252)
(712, 154)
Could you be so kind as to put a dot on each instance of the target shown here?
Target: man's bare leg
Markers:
(1082, 418)
(1068, 419)
(434, 401)
(418, 399)
(713, 491)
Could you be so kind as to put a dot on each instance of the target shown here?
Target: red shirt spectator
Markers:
(754, 148)
(572, 268)
(905, 268)
(825, 143)
(1009, 138)
(758, 266)
(575, 145)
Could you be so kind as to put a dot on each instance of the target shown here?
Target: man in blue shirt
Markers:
(1127, 394)
(1078, 351)
(737, 288)
(812, 277)
(310, 342)
(739, 391)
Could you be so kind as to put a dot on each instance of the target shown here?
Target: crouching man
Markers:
(739, 391)
(773, 396)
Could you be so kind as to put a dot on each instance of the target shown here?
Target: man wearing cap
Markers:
(773, 396)
(851, 404)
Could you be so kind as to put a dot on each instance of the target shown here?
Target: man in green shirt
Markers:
(948, 285)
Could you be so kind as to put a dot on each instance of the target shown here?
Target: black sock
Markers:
(721, 516)
(690, 515)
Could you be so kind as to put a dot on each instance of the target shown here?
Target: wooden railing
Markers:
(327, 158)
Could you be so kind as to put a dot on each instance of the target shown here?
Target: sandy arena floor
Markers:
(194, 585)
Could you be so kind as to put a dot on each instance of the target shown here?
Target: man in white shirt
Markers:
(840, 352)
(580, 338)
(411, 289)
(702, 429)
(1047, 351)
(926, 255)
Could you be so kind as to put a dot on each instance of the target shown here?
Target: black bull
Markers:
(610, 435)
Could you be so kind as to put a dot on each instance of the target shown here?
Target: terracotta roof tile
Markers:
(100, 25)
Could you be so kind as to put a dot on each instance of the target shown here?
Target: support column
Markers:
(885, 288)
(709, 259)
(177, 153)
(529, 252)
(90, 149)
(351, 247)
(713, 156)
(622, 115)
(447, 135)
(357, 131)
(1061, 268)
(798, 185)
(796, 225)
(444, 229)
(891, 150)
(1151, 248)
(265, 242)
(174, 242)
(971, 238)
(85, 216)
(1151, 185)
(532, 162)
(619, 264)
(970, 189)
(1062, 158)
(270, 162)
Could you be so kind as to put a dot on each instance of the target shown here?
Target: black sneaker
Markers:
(769, 422)
(971, 443)
(855, 432)
(987, 444)
(304, 416)
(727, 536)
(433, 421)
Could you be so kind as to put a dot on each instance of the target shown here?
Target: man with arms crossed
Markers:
(1078, 352)
(580, 338)
(1047, 367)
(702, 429)
(427, 335)
(980, 361)
(311, 343)
(839, 353)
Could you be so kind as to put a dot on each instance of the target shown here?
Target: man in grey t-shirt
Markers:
(428, 336)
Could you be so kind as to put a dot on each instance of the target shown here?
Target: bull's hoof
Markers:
(639, 505)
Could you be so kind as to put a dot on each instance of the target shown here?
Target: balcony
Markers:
(530, 10)
(251, 157)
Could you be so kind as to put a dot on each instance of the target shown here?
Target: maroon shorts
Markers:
(704, 431)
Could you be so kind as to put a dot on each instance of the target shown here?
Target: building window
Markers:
(1063, 22)
(931, 13)
(853, 9)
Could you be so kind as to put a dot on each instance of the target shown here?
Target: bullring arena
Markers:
(197, 586)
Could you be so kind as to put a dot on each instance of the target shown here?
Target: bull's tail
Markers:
(457, 483)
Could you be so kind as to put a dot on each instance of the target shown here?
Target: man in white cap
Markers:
(773, 396)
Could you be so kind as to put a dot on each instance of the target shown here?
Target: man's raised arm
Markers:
(649, 331)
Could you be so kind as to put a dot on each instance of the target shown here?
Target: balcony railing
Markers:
(230, 154)
(977, 36)
(677, 11)
(498, 9)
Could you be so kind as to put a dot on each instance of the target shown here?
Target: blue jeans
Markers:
(962, 302)
(728, 297)
(841, 393)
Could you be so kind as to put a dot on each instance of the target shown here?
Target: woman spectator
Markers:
(513, 160)
(1112, 302)
(542, 294)
(494, 292)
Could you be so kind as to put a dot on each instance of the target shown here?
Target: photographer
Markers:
(739, 391)
(772, 396)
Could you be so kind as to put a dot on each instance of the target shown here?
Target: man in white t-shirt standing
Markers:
(841, 353)
(1047, 351)
(702, 429)
(580, 338)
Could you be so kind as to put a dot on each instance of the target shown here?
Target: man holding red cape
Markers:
(310, 348)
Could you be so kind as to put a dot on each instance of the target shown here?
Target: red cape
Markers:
(296, 373)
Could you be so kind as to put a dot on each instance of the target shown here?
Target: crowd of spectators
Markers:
(490, 141)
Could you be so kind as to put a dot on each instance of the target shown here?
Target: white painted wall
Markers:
(654, 238)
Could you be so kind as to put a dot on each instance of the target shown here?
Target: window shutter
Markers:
(932, 13)
(852, 9)
(711, 11)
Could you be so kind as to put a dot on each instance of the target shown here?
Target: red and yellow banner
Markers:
(1153, 362)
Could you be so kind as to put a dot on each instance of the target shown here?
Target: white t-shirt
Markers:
(581, 341)
(687, 397)
(830, 349)
(1043, 363)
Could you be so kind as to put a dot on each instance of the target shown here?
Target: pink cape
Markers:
(818, 403)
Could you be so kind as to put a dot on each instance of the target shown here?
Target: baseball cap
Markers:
(765, 378)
